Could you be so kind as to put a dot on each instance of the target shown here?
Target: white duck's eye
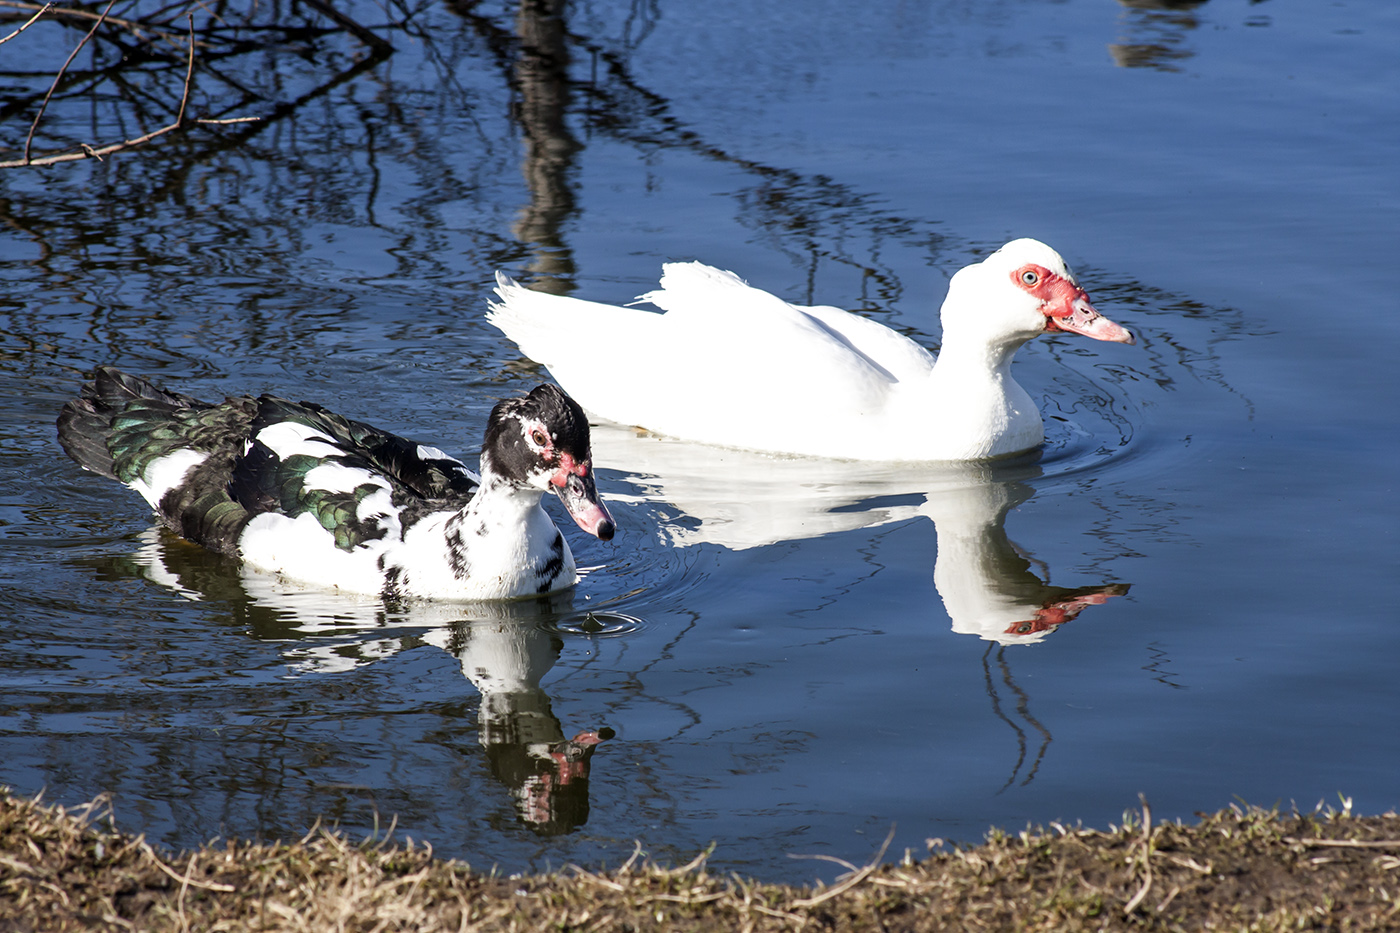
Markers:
(1029, 277)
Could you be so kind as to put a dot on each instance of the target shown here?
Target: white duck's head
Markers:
(1022, 290)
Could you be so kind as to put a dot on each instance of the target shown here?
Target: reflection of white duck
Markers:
(743, 499)
(986, 584)
(733, 365)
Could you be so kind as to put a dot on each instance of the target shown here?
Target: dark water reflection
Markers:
(1156, 33)
(776, 654)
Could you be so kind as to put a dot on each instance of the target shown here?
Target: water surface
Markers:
(1189, 594)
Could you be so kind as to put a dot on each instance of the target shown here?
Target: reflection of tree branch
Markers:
(1023, 708)
(284, 110)
(132, 26)
(88, 151)
(28, 140)
(376, 42)
(217, 39)
(541, 76)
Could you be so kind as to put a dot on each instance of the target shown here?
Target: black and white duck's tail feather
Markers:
(177, 451)
(85, 426)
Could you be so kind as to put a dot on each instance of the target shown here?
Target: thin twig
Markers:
(185, 879)
(689, 899)
(28, 140)
(88, 151)
(27, 23)
(631, 859)
(1346, 843)
(827, 858)
(133, 26)
(1146, 859)
(851, 880)
(189, 74)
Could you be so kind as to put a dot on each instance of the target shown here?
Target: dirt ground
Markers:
(1238, 869)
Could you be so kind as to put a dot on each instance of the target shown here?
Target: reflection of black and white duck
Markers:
(295, 489)
(733, 365)
(505, 648)
(524, 740)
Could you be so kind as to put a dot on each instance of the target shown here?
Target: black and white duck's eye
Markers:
(539, 437)
(1029, 277)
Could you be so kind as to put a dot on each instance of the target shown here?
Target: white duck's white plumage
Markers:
(733, 365)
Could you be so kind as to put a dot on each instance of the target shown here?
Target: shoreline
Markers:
(1237, 869)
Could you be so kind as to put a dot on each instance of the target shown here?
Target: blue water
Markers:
(782, 657)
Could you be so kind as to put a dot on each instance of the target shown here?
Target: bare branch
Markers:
(133, 26)
(28, 140)
(189, 74)
(27, 23)
(92, 153)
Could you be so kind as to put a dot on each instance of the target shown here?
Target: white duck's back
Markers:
(725, 364)
(732, 365)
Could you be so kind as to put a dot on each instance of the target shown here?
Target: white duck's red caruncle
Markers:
(295, 489)
(733, 365)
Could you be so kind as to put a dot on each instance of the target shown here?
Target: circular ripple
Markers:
(599, 624)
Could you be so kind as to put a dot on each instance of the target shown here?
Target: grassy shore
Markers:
(1238, 869)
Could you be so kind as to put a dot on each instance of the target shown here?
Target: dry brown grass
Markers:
(1238, 869)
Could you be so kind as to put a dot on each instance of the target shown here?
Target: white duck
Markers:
(733, 365)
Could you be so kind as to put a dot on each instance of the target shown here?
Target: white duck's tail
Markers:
(582, 343)
(695, 288)
(534, 320)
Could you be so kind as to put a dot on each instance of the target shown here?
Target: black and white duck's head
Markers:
(542, 441)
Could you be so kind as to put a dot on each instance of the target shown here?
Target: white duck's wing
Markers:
(706, 297)
(722, 349)
(901, 357)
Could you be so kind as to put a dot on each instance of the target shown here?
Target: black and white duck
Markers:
(295, 489)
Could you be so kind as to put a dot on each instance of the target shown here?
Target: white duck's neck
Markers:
(973, 358)
(982, 411)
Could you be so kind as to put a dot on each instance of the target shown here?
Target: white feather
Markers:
(165, 473)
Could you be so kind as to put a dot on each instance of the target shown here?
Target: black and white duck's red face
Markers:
(542, 440)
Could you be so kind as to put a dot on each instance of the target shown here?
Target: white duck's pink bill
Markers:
(1083, 319)
(576, 489)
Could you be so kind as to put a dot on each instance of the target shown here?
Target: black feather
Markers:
(122, 424)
